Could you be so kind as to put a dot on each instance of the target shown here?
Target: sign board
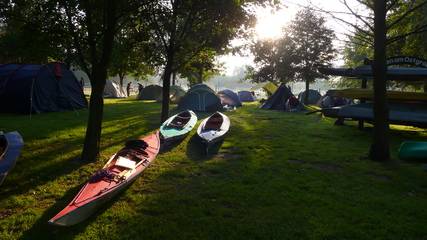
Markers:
(402, 60)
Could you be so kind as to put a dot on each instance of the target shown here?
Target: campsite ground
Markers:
(276, 176)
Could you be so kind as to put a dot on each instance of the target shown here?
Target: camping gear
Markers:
(313, 97)
(246, 96)
(413, 150)
(213, 129)
(229, 98)
(120, 171)
(175, 94)
(331, 101)
(279, 99)
(30, 88)
(178, 126)
(10, 149)
(400, 113)
(150, 92)
(200, 98)
(367, 94)
(113, 90)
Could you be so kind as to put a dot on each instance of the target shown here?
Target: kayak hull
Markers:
(13, 144)
(108, 182)
(83, 212)
(169, 134)
(211, 135)
(413, 150)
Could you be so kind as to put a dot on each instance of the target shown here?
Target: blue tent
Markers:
(246, 96)
(229, 98)
(30, 88)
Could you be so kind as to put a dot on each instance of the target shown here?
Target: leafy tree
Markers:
(27, 35)
(183, 29)
(201, 67)
(306, 46)
(130, 55)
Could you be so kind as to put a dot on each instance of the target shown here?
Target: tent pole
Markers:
(31, 97)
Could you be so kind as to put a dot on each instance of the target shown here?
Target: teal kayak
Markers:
(178, 126)
(412, 150)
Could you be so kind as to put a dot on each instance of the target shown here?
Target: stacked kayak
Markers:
(10, 149)
(367, 94)
(400, 113)
(413, 150)
(178, 126)
(213, 129)
(120, 171)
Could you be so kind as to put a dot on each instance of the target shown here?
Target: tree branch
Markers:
(369, 25)
(403, 16)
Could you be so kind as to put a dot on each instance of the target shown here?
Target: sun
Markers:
(270, 23)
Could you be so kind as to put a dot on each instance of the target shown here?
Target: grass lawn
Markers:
(276, 176)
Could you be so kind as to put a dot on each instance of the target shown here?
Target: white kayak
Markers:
(213, 128)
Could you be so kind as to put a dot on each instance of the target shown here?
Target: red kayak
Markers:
(120, 171)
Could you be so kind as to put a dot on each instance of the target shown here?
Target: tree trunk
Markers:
(174, 78)
(307, 91)
(94, 126)
(166, 85)
(121, 79)
(364, 86)
(380, 148)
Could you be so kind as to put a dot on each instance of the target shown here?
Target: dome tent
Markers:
(200, 98)
(279, 100)
(229, 98)
(246, 96)
(150, 92)
(31, 88)
(113, 90)
(313, 97)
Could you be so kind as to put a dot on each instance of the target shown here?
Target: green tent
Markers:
(150, 92)
(175, 94)
(200, 98)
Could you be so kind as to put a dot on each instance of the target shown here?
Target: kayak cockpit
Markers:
(214, 122)
(180, 120)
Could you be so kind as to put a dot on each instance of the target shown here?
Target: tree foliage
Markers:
(305, 46)
(185, 29)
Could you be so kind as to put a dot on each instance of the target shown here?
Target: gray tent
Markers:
(150, 92)
(313, 97)
(113, 90)
(200, 98)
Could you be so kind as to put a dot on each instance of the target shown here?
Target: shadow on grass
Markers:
(196, 149)
(169, 145)
(41, 229)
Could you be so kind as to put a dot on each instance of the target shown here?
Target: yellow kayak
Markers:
(367, 94)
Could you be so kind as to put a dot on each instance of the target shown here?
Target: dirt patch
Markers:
(379, 177)
(5, 213)
(228, 156)
(296, 161)
(326, 167)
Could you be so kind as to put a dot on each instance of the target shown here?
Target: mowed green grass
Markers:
(276, 176)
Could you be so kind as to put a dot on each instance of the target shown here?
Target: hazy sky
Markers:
(270, 23)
